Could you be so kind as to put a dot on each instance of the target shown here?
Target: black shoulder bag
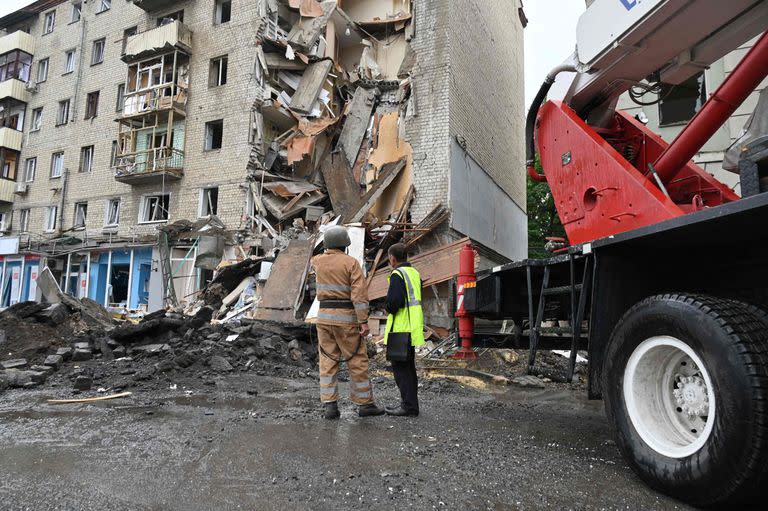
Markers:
(399, 343)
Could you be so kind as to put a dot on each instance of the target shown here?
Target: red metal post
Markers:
(748, 74)
(467, 278)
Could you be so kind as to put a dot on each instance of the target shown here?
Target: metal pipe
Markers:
(530, 121)
(748, 74)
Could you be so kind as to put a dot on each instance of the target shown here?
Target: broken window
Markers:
(37, 119)
(23, 220)
(15, 64)
(120, 103)
(10, 164)
(30, 167)
(57, 164)
(51, 218)
(209, 201)
(112, 213)
(679, 103)
(50, 22)
(5, 223)
(128, 32)
(171, 17)
(69, 61)
(214, 133)
(218, 71)
(86, 159)
(42, 70)
(154, 208)
(81, 213)
(104, 5)
(92, 105)
(97, 53)
(62, 116)
(76, 12)
(223, 11)
(113, 154)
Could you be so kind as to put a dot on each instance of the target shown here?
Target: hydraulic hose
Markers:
(530, 122)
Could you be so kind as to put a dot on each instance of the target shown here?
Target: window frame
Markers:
(61, 167)
(80, 206)
(144, 208)
(104, 6)
(127, 33)
(5, 221)
(666, 92)
(203, 202)
(65, 105)
(50, 15)
(92, 105)
(47, 62)
(102, 42)
(218, 69)
(26, 177)
(218, 11)
(86, 154)
(77, 12)
(208, 134)
(107, 211)
(24, 220)
(120, 99)
(34, 125)
(67, 53)
(47, 227)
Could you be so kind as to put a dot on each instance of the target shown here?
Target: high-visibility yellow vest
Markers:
(411, 317)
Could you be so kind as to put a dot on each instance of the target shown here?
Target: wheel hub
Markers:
(691, 395)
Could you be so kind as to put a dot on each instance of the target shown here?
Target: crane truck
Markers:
(664, 280)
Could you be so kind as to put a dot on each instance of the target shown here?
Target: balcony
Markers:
(153, 5)
(155, 99)
(165, 38)
(149, 166)
(15, 89)
(10, 139)
(17, 41)
(7, 189)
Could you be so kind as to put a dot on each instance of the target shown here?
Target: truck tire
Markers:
(686, 384)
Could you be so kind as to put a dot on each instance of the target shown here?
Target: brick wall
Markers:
(487, 113)
(232, 102)
(427, 126)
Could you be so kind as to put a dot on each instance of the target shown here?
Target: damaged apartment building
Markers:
(148, 144)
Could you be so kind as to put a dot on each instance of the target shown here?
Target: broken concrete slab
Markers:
(16, 363)
(42, 369)
(83, 382)
(53, 361)
(389, 172)
(305, 34)
(344, 192)
(81, 355)
(310, 85)
(529, 380)
(356, 123)
(219, 364)
(64, 353)
(151, 348)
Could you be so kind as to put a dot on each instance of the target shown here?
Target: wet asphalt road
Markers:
(221, 449)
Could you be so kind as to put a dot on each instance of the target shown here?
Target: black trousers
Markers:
(405, 377)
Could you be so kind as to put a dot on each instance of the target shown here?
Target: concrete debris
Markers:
(529, 380)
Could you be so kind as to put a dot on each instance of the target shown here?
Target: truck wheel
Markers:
(687, 393)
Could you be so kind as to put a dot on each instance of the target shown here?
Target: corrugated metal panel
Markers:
(172, 35)
(10, 139)
(17, 41)
(6, 190)
(15, 89)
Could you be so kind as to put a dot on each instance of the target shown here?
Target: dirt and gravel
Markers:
(252, 438)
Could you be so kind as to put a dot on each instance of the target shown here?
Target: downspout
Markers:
(79, 74)
(64, 179)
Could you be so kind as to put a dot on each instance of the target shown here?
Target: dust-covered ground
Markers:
(250, 441)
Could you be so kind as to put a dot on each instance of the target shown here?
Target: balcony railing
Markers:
(159, 97)
(142, 166)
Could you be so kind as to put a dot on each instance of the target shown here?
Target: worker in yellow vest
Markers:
(405, 315)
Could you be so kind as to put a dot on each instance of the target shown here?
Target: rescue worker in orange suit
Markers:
(342, 322)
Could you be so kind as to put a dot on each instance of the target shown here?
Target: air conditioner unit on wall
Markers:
(31, 86)
(21, 189)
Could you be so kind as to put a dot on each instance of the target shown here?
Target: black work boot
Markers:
(331, 411)
(369, 410)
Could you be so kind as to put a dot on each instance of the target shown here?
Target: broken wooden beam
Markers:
(389, 172)
(341, 186)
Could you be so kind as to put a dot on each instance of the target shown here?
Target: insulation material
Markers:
(391, 148)
(390, 56)
(368, 67)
